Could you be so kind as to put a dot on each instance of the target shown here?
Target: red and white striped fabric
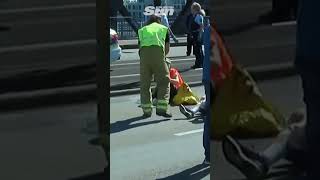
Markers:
(220, 57)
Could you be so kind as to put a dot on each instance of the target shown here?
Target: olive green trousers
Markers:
(153, 63)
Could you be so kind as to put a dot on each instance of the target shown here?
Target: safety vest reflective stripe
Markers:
(147, 108)
(153, 35)
(162, 104)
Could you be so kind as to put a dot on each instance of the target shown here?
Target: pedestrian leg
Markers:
(189, 44)
(207, 120)
(198, 53)
(311, 86)
(196, 50)
(161, 75)
(145, 82)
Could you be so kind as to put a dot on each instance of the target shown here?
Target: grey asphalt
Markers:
(46, 35)
(38, 3)
(50, 143)
(49, 44)
(249, 41)
(150, 148)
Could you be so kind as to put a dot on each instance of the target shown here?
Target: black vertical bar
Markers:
(102, 30)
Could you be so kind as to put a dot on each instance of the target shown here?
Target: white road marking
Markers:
(138, 62)
(37, 46)
(189, 132)
(286, 23)
(122, 76)
(48, 8)
(137, 75)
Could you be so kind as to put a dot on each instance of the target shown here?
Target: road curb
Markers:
(84, 93)
(43, 98)
(259, 73)
(135, 46)
(137, 90)
(273, 71)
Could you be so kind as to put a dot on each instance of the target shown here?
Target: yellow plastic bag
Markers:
(185, 96)
(240, 110)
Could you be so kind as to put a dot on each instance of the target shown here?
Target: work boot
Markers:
(165, 114)
(238, 156)
(185, 112)
(196, 67)
(146, 115)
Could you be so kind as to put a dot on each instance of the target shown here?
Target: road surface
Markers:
(49, 143)
(154, 148)
(158, 148)
(46, 35)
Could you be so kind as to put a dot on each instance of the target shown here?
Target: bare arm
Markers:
(175, 80)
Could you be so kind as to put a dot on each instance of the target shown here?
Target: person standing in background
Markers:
(197, 26)
(165, 22)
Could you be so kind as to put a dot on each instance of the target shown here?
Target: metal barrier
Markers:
(125, 31)
(123, 28)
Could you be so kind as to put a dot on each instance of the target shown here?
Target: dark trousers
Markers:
(189, 44)
(197, 50)
(310, 76)
(207, 120)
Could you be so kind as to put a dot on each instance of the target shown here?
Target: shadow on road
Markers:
(285, 172)
(120, 126)
(97, 176)
(124, 86)
(47, 79)
(195, 120)
(240, 28)
(197, 172)
(4, 28)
